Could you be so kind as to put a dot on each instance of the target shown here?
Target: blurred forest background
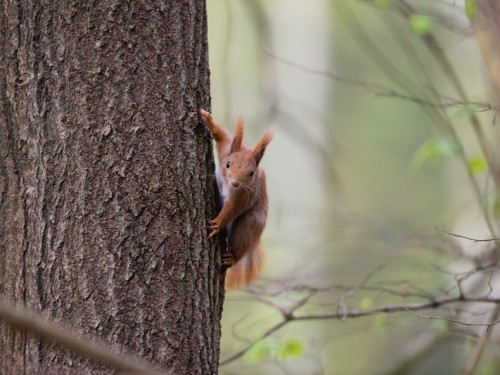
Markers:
(381, 111)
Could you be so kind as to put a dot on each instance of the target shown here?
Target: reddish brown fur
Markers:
(245, 207)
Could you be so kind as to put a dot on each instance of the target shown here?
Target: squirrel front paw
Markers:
(214, 226)
(205, 116)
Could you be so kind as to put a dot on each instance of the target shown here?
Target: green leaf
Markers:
(366, 303)
(470, 7)
(477, 165)
(273, 349)
(259, 352)
(421, 24)
(447, 147)
(441, 327)
(379, 324)
(291, 348)
(468, 110)
(434, 150)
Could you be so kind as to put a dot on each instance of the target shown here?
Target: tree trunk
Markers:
(106, 182)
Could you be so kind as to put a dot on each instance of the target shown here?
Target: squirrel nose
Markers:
(235, 185)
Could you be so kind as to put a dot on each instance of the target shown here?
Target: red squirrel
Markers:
(242, 185)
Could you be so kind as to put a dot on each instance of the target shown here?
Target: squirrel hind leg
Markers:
(227, 259)
(245, 231)
(244, 244)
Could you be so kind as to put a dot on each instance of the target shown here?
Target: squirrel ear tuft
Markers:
(260, 147)
(238, 136)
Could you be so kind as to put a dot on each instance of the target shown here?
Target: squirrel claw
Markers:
(227, 259)
(214, 227)
(213, 233)
(205, 115)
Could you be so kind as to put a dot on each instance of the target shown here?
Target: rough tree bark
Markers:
(105, 182)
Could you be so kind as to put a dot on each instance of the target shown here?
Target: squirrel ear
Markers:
(260, 147)
(238, 136)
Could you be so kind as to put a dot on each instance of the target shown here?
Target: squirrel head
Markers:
(240, 168)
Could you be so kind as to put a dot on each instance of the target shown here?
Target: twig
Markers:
(468, 238)
(31, 323)
(240, 354)
(431, 317)
(290, 317)
(481, 345)
(380, 90)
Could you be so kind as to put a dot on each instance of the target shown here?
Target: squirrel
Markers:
(242, 185)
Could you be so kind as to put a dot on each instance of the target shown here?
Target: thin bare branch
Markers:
(38, 326)
(481, 345)
(468, 238)
(340, 315)
(381, 90)
(431, 317)
(242, 352)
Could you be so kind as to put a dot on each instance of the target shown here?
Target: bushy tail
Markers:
(245, 270)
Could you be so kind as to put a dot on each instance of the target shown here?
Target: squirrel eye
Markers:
(252, 173)
(228, 164)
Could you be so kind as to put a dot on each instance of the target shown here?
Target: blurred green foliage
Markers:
(421, 24)
(268, 349)
(470, 7)
(434, 151)
(359, 176)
